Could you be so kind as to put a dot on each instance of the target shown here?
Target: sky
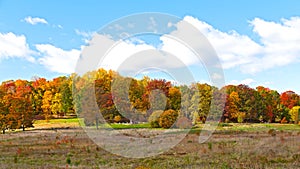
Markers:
(257, 42)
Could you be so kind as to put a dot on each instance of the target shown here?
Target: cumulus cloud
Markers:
(277, 46)
(129, 58)
(280, 42)
(35, 20)
(57, 59)
(232, 48)
(15, 46)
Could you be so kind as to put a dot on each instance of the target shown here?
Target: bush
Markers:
(154, 117)
(117, 118)
(240, 117)
(168, 118)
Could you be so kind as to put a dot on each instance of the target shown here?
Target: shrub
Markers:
(117, 118)
(154, 117)
(240, 117)
(168, 118)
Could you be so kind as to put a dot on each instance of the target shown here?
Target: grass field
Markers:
(248, 127)
(61, 143)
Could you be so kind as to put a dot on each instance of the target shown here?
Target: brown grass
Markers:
(71, 148)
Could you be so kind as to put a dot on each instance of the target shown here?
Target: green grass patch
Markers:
(55, 121)
(129, 126)
(239, 127)
(248, 127)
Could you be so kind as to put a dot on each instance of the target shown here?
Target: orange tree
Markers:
(168, 118)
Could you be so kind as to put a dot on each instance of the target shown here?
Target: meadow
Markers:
(61, 143)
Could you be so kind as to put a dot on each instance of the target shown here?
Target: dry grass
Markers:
(71, 148)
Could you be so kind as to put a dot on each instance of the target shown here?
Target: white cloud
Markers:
(278, 47)
(86, 35)
(35, 20)
(247, 81)
(15, 46)
(216, 76)
(279, 44)
(179, 50)
(128, 58)
(232, 48)
(57, 59)
(57, 26)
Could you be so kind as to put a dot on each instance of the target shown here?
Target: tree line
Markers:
(22, 101)
(136, 100)
(125, 99)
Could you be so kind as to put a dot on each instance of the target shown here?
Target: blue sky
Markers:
(257, 41)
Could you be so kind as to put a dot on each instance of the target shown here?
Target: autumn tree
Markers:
(56, 104)
(247, 102)
(38, 89)
(155, 94)
(294, 114)
(47, 104)
(232, 106)
(23, 104)
(4, 113)
(266, 104)
(201, 101)
(174, 98)
(136, 96)
(289, 99)
(168, 118)
(217, 104)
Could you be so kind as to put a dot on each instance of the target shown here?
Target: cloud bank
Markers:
(277, 45)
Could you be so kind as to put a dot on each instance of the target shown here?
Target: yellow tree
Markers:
(174, 98)
(56, 104)
(46, 104)
(294, 113)
(231, 106)
(39, 87)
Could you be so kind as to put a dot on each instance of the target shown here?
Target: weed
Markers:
(209, 145)
(68, 160)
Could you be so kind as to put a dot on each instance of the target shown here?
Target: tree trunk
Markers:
(97, 122)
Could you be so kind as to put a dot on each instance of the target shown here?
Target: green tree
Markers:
(67, 106)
